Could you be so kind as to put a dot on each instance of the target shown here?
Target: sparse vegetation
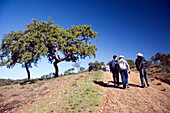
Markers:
(159, 84)
(163, 89)
(82, 95)
(131, 63)
(95, 66)
(152, 79)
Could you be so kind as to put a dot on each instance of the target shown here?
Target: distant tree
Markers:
(77, 65)
(95, 66)
(149, 62)
(82, 69)
(131, 63)
(163, 60)
(66, 72)
(157, 57)
(45, 39)
(69, 71)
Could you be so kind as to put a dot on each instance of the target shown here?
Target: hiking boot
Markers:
(127, 86)
(124, 88)
(142, 86)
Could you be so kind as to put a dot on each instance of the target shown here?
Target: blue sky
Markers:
(125, 27)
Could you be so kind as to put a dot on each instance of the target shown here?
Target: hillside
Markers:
(86, 92)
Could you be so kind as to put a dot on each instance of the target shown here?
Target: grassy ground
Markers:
(81, 95)
(65, 94)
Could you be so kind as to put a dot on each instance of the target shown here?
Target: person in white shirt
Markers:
(124, 68)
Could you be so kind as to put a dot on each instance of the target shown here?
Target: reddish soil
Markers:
(160, 76)
(153, 99)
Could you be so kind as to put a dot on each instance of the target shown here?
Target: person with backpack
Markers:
(114, 70)
(124, 68)
(142, 65)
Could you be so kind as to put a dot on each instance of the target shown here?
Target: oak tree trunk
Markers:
(28, 72)
(56, 69)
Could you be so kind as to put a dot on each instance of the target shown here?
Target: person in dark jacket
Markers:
(114, 70)
(142, 66)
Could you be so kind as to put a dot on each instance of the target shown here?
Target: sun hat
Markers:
(121, 56)
(139, 54)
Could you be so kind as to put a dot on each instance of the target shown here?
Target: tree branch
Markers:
(57, 53)
(62, 59)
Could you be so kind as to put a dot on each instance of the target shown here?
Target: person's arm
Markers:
(127, 65)
(136, 63)
(140, 64)
(110, 67)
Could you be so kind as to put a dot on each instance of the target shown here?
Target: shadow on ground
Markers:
(101, 83)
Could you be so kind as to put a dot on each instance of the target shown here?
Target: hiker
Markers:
(107, 68)
(114, 70)
(124, 68)
(142, 65)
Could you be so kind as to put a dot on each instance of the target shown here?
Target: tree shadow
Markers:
(25, 82)
(101, 83)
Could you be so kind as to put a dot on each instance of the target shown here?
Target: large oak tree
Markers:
(45, 39)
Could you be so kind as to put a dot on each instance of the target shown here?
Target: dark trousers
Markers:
(115, 76)
(124, 76)
(144, 74)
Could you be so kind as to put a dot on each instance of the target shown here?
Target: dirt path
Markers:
(153, 99)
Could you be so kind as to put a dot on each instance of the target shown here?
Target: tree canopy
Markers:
(95, 66)
(82, 69)
(131, 63)
(45, 39)
(164, 60)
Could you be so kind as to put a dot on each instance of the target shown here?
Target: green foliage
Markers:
(82, 69)
(152, 79)
(149, 62)
(95, 66)
(69, 71)
(164, 60)
(77, 65)
(18, 47)
(85, 95)
(131, 63)
(42, 39)
(46, 76)
(74, 42)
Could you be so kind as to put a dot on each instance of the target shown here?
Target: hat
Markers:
(121, 56)
(139, 54)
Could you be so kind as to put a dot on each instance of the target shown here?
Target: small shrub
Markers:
(94, 102)
(153, 70)
(74, 84)
(167, 78)
(163, 89)
(159, 83)
(51, 111)
(152, 79)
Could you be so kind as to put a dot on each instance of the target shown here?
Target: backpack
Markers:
(144, 64)
(114, 65)
(122, 65)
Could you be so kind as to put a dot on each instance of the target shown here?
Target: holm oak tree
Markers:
(45, 39)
